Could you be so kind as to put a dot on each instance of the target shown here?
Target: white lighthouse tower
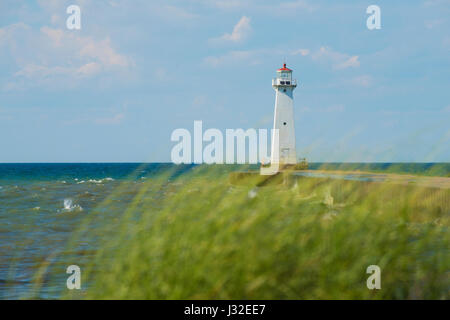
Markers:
(284, 87)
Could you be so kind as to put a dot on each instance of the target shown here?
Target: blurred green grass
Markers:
(196, 236)
(416, 168)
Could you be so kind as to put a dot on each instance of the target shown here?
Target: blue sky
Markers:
(116, 89)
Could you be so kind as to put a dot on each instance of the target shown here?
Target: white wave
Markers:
(100, 180)
(69, 206)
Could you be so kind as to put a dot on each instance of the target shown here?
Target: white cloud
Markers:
(41, 55)
(116, 119)
(54, 35)
(338, 60)
(303, 52)
(351, 62)
(32, 70)
(89, 69)
(8, 33)
(240, 31)
(103, 52)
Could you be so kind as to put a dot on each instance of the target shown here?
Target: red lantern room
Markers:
(284, 77)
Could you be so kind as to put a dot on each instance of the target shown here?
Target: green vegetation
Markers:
(421, 169)
(200, 237)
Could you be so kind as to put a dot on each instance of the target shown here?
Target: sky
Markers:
(116, 89)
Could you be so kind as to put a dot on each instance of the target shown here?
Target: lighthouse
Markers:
(284, 152)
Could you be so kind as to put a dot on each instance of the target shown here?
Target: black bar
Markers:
(233, 309)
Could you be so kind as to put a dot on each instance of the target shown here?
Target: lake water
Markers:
(41, 205)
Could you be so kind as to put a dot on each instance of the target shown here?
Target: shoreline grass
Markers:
(438, 169)
(199, 237)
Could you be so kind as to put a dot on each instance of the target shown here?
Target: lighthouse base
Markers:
(302, 165)
(254, 178)
(283, 176)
